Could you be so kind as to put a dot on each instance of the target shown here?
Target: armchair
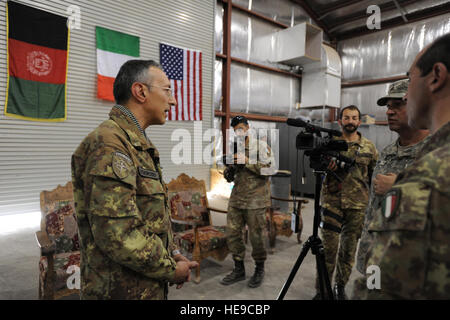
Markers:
(58, 242)
(191, 221)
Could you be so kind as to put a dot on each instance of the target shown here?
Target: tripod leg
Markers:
(324, 278)
(320, 277)
(294, 270)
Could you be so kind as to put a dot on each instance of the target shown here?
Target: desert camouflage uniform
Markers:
(122, 211)
(411, 242)
(393, 159)
(248, 203)
(343, 205)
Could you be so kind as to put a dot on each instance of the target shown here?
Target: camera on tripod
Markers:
(321, 150)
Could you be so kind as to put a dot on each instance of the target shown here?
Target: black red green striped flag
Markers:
(38, 46)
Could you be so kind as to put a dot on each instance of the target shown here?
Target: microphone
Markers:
(311, 128)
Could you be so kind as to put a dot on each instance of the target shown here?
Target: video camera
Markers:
(231, 163)
(321, 150)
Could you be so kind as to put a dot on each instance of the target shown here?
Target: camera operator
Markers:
(248, 203)
(344, 199)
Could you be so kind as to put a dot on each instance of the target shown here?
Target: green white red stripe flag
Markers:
(38, 46)
(113, 50)
(389, 204)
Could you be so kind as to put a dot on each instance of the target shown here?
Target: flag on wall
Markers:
(113, 50)
(184, 69)
(38, 46)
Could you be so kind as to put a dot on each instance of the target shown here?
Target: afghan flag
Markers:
(38, 46)
(113, 50)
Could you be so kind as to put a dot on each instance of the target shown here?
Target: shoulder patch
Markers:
(390, 203)
(122, 165)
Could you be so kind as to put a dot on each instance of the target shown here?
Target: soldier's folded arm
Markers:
(118, 228)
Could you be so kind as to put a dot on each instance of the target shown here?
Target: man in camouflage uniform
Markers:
(411, 229)
(248, 204)
(126, 243)
(393, 159)
(344, 199)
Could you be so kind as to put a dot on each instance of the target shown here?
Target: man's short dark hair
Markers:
(439, 51)
(350, 107)
(130, 72)
(238, 119)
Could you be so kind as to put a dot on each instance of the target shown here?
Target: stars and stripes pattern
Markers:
(183, 67)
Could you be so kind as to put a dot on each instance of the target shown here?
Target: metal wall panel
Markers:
(390, 52)
(35, 156)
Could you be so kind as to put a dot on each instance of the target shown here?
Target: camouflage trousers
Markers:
(342, 245)
(255, 219)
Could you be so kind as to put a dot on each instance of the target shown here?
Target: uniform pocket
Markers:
(151, 201)
(149, 186)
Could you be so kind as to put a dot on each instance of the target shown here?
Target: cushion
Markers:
(282, 222)
(210, 238)
(62, 261)
(62, 228)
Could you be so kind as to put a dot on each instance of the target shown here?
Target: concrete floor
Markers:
(19, 256)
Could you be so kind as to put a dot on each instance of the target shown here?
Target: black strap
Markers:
(333, 215)
(329, 226)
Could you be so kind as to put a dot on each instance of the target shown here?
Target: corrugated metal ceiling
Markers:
(343, 19)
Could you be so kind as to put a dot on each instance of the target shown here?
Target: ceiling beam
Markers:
(339, 5)
(313, 16)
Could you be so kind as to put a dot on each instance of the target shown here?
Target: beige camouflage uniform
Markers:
(248, 203)
(411, 241)
(393, 159)
(122, 211)
(343, 206)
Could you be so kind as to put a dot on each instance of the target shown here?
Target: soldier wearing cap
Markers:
(411, 228)
(248, 203)
(393, 159)
(126, 242)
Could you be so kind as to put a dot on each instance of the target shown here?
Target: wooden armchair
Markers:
(279, 223)
(58, 241)
(191, 221)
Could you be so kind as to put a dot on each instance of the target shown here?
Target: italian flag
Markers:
(113, 50)
(389, 204)
(37, 49)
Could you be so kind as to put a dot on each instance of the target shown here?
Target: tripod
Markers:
(315, 244)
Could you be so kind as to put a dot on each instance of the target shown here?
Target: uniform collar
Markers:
(128, 122)
(438, 139)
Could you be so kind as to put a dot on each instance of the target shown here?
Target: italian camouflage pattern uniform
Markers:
(343, 206)
(393, 159)
(249, 201)
(411, 242)
(122, 211)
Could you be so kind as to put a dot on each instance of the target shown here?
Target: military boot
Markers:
(339, 292)
(258, 276)
(238, 274)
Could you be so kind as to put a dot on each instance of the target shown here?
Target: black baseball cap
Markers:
(238, 119)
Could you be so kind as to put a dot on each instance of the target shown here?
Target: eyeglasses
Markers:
(168, 90)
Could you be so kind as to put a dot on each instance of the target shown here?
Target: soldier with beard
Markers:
(344, 199)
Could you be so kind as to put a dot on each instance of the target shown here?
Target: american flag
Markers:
(184, 69)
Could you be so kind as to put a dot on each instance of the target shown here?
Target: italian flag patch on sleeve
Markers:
(390, 203)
